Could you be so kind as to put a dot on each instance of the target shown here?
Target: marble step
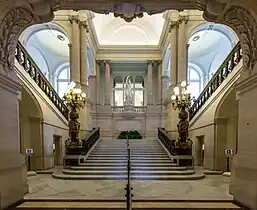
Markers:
(125, 160)
(45, 204)
(150, 164)
(122, 153)
(124, 172)
(118, 168)
(132, 155)
(60, 175)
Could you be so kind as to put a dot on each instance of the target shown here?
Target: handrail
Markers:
(128, 187)
(167, 141)
(90, 139)
(30, 66)
(221, 74)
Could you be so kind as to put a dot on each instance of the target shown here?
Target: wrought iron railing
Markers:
(167, 141)
(128, 187)
(120, 109)
(221, 74)
(34, 72)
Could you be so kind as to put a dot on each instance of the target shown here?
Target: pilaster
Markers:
(75, 49)
(107, 64)
(150, 83)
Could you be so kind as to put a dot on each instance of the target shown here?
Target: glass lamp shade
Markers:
(183, 84)
(71, 85)
(77, 91)
(176, 90)
(84, 95)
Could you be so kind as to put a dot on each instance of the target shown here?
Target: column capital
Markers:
(107, 62)
(173, 24)
(183, 18)
(150, 62)
(84, 25)
(73, 18)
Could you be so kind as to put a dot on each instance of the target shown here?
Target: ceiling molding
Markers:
(131, 51)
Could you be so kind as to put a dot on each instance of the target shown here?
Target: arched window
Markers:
(195, 82)
(62, 80)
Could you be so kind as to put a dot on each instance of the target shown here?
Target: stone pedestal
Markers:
(184, 157)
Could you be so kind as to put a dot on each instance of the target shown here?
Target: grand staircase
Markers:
(108, 161)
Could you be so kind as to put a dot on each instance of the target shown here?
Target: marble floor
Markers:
(212, 187)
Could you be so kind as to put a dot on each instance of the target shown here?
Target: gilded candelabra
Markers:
(181, 100)
(75, 101)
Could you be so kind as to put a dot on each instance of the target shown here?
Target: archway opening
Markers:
(226, 131)
(31, 136)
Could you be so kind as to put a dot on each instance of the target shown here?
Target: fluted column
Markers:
(75, 49)
(182, 54)
(98, 89)
(83, 53)
(150, 83)
(107, 83)
(174, 53)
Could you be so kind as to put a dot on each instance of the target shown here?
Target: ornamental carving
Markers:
(244, 24)
(128, 11)
(11, 27)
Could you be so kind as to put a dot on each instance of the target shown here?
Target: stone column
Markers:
(83, 78)
(70, 55)
(160, 83)
(182, 54)
(83, 53)
(107, 83)
(150, 83)
(98, 88)
(174, 53)
(75, 49)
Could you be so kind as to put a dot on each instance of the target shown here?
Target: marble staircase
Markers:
(108, 161)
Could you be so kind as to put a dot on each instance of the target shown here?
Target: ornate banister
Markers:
(221, 74)
(34, 72)
(167, 141)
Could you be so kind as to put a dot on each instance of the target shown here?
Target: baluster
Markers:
(227, 69)
(18, 54)
(232, 62)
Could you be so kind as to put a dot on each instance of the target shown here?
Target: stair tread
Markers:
(122, 205)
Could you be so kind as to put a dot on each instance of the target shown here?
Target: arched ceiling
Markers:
(55, 41)
(205, 42)
(141, 31)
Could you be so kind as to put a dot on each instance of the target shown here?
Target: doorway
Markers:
(57, 148)
(200, 150)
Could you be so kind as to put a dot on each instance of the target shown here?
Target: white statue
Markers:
(128, 92)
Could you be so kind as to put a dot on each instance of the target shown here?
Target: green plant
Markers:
(130, 134)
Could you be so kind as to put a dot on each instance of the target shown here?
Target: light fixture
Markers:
(181, 100)
(75, 99)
